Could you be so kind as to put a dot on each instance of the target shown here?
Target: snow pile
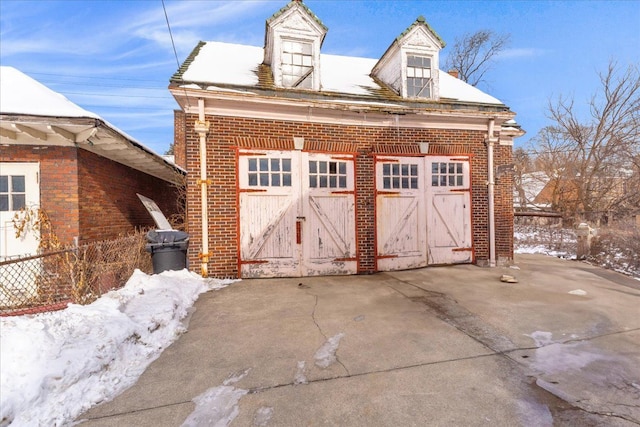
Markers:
(55, 366)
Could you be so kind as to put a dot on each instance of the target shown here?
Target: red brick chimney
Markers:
(454, 73)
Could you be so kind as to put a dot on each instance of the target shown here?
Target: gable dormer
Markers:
(410, 65)
(293, 38)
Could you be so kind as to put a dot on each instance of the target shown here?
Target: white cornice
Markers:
(347, 112)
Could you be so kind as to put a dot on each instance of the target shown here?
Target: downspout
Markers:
(202, 129)
(491, 184)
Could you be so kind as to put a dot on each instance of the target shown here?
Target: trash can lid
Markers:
(167, 236)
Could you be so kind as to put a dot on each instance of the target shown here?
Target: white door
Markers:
(328, 220)
(19, 190)
(400, 213)
(297, 214)
(269, 206)
(449, 212)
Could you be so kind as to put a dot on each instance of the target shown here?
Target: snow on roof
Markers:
(235, 64)
(225, 63)
(451, 87)
(23, 95)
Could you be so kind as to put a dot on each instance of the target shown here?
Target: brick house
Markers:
(302, 163)
(80, 170)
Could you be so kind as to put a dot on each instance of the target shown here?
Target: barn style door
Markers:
(269, 205)
(297, 214)
(449, 212)
(400, 213)
(423, 211)
(328, 223)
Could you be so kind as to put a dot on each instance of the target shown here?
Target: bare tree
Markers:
(592, 162)
(471, 55)
(522, 162)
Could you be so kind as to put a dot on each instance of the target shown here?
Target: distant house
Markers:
(74, 166)
(303, 163)
(528, 193)
(539, 193)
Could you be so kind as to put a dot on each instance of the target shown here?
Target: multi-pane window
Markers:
(447, 174)
(418, 76)
(297, 64)
(396, 176)
(12, 192)
(327, 174)
(265, 172)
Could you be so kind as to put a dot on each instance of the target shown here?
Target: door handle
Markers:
(299, 230)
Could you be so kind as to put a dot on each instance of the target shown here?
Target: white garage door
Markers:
(297, 214)
(449, 213)
(400, 213)
(423, 211)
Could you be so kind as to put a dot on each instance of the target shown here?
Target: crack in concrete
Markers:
(133, 411)
(364, 374)
(315, 321)
(609, 414)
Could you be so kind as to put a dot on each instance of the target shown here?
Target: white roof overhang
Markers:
(91, 134)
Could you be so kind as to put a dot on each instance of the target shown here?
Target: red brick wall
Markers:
(179, 138)
(108, 203)
(58, 184)
(222, 200)
(88, 196)
(503, 155)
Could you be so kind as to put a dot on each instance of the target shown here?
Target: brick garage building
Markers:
(81, 171)
(301, 163)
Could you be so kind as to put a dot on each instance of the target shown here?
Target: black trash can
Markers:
(168, 249)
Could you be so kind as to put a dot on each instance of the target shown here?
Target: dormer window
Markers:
(297, 64)
(419, 76)
(292, 47)
(410, 66)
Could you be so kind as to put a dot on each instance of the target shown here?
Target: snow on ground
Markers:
(54, 366)
(217, 406)
(326, 355)
(562, 243)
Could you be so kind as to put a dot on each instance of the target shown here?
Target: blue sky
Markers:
(115, 58)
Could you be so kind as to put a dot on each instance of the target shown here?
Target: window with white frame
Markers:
(12, 192)
(327, 174)
(447, 174)
(397, 176)
(419, 76)
(265, 172)
(297, 64)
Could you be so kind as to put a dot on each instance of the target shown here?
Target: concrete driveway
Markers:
(445, 346)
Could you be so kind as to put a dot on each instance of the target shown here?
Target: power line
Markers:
(119, 96)
(87, 77)
(54, 82)
(175, 52)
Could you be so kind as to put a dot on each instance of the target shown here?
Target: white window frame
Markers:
(417, 72)
(297, 64)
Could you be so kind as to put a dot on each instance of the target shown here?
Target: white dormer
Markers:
(293, 39)
(410, 65)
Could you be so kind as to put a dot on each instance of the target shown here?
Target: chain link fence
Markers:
(76, 275)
